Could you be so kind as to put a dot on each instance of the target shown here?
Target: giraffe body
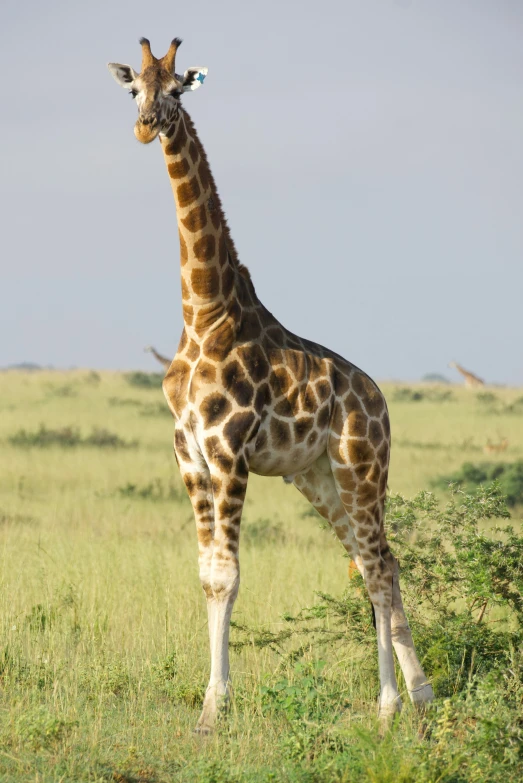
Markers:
(247, 395)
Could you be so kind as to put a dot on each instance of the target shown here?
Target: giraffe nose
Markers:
(149, 120)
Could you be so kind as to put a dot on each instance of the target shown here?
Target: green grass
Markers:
(104, 651)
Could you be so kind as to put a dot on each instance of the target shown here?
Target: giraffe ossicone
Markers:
(247, 395)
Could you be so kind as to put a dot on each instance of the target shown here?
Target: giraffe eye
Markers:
(175, 93)
(133, 93)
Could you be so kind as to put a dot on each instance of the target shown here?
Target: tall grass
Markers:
(104, 652)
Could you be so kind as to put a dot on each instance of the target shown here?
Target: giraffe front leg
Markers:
(198, 481)
(229, 494)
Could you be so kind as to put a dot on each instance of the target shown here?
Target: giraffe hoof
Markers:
(421, 697)
(203, 731)
(387, 714)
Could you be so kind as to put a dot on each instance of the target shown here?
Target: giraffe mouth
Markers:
(146, 132)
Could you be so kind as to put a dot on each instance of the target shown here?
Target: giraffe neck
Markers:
(209, 265)
(163, 359)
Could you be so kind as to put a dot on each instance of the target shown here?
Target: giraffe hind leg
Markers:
(318, 486)
(361, 487)
(364, 508)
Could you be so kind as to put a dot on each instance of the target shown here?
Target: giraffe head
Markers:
(156, 89)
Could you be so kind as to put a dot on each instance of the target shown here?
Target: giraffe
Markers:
(162, 359)
(247, 395)
(471, 381)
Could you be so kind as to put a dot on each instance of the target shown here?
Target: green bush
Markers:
(156, 409)
(471, 475)
(156, 491)
(435, 377)
(166, 677)
(67, 437)
(458, 580)
(405, 394)
(144, 380)
(493, 404)
(262, 532)
(40, 728)
(124, 402)
(144, 408)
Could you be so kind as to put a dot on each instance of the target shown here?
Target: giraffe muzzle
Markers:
(147, 128)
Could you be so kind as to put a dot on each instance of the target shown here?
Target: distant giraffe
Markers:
(247, 395)
(471, 381)
(162, 359)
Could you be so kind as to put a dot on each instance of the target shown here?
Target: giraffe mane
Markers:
(231, 247)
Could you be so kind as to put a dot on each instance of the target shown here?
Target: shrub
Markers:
(40, 728)
(405, 394)
(465, 445)
(155, 490)
(66, 390)
(144, 380)
(67, 437)
(144, 408)
(457, 579)
(93, 378)
(471, 475)
(311, 707)
(515, 407)
(487, 398)
(435, 377)
(15, 519)
(263, 531)
(124, 402)
(494, 405)
(166, 677)
(103, 438)
(156, 409)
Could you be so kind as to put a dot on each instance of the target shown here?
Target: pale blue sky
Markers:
(368, 154)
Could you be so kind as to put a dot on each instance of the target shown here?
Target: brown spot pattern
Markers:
(237, 429)
(214, 409)
(180, 442)
(218, 345)
(196, 220)
(205, 248)
(175, 383)
(217, 454)
(236, 383)
(205, 282)
(188, 192)
(280, 433)
(178, 169)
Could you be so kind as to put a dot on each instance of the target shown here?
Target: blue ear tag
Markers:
(200, 78)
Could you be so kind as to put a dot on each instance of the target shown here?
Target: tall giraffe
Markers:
(162, 359)
(247, 395)
(471, 381)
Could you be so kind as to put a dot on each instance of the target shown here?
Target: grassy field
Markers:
(104, 654)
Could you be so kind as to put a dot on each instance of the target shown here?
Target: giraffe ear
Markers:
(123, 74)
(193, 78)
